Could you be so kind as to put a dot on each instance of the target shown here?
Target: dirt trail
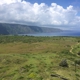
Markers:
(71, 50)
(72, 47)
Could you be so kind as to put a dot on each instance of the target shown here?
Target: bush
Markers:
(32, 76)
(77, 62)
(63, 63)
(78, 53)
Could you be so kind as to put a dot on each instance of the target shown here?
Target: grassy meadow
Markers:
(38, 58)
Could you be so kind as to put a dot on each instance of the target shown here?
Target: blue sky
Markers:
(64, 3)
(51, 13)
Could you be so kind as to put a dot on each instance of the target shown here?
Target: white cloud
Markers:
(20, 11)
(8, 1)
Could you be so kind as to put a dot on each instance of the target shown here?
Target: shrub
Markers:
(77, 62)
(63, 63)
(21, 78)
(78, 53)
(32, 76)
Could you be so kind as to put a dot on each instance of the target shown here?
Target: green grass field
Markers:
(38, 58)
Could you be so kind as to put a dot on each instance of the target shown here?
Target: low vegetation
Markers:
(63, 63)
(39, 58)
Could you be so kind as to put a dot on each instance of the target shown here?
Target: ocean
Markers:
(63, 33)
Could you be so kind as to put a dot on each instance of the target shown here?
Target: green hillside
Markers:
(39, 58)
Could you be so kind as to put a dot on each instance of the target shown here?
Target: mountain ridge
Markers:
(8, 28)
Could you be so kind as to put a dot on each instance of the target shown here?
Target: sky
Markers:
(64, 14)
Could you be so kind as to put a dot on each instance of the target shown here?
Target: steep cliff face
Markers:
(6, 29)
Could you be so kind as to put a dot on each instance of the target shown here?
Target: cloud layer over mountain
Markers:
(20, 11)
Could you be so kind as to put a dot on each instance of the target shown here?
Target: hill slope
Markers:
(38, 58)
(6, 29)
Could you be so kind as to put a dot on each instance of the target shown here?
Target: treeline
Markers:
(32, 39)
(24, 39)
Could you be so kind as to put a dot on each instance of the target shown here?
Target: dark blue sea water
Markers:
(63, 33)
